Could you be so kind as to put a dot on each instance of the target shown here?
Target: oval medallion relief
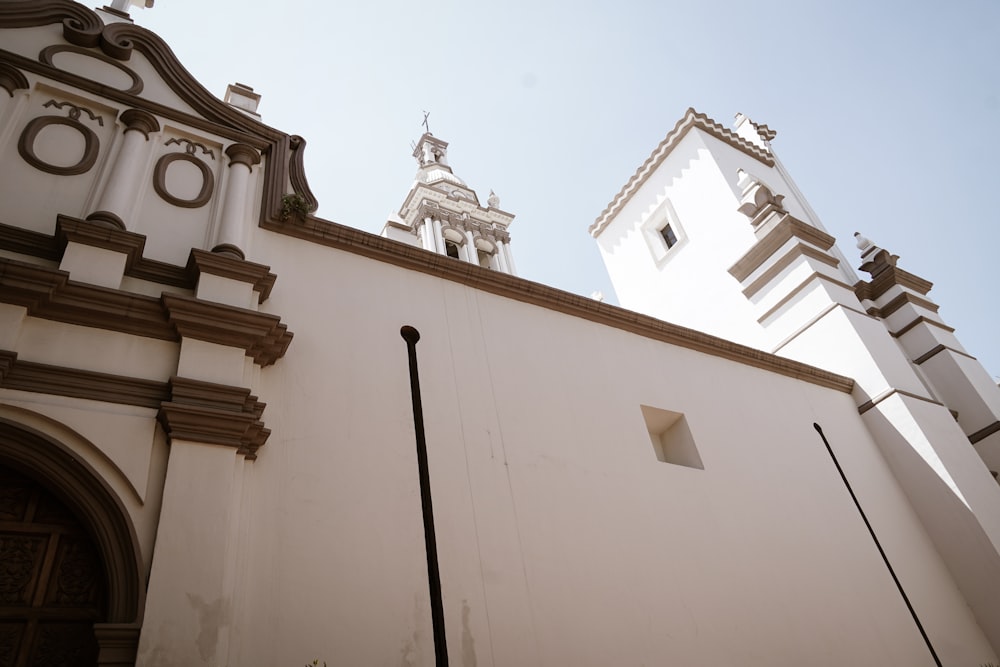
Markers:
(48, 135)
(183, 178)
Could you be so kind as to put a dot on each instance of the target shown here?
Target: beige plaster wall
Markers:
(562, 539)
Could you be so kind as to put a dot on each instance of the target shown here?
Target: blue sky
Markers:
(885, 112)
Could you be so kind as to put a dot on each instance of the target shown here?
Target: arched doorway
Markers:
(52, 586)
(70, 587)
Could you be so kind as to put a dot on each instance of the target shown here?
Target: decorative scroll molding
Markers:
(215, 414)
(409, 257)
(297, 171)
(50, 294)
(691, 120)
(75, 111)
(160, 180)
(81, 26)
(49, 52)
(191, 147)
(11, 79)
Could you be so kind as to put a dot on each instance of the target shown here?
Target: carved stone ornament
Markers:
(91, 144)
(160, 181)
(136, 85)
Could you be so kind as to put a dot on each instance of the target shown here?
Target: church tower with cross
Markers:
(444, 215)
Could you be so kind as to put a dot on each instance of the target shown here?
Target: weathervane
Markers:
(427, 127)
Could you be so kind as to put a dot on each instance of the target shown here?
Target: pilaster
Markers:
(114, 205)
(900, 300)
(232, 228)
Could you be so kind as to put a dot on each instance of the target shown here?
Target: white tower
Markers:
(443, 214)
(712, 233)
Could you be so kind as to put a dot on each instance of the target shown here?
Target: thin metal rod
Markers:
(878, 545)
(411, 336)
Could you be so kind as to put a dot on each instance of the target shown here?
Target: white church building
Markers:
(234, 433)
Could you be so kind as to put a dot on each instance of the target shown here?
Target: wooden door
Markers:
(52, 587)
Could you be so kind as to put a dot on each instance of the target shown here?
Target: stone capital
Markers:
(243, 154)
(140, 121)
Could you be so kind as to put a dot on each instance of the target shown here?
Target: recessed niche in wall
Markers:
(671, 437)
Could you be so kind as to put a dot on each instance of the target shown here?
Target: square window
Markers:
(669, 237)
(671, 437)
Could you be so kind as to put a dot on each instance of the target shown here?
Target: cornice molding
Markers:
(815, 275)
(691, 120)
(50, 294)
(869, 404)
(889, 277)
(188, 409)
(941, 347)
(901, 300)
(918, 321)
(261, 335)
(789, 227)
(258, 275)
(91, 232)
(797, 251)
(984, 432)
(215, 414)
(518, 289)
(76, 383)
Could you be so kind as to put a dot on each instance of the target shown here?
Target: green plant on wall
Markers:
(293, 205)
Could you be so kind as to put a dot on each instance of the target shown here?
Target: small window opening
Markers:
(668, 236)
(451, 248)
(484, 258)
(671, 437)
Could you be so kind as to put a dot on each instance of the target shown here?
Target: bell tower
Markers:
(712, 233)
(444, 215)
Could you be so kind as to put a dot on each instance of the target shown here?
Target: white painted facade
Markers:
(608, 488)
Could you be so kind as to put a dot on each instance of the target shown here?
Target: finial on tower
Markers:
(427, 127)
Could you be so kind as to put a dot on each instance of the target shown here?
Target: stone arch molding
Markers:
(44, 458)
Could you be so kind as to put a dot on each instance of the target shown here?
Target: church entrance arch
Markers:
(69, 573)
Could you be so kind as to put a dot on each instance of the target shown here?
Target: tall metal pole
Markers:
(411, 336)
(878, 545)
